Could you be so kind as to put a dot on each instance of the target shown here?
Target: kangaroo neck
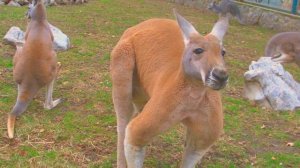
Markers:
(187, 79)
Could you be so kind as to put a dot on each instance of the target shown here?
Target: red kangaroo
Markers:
(168, 73)
(35, 65)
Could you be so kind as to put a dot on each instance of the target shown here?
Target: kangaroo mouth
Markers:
(282, 58)
(276, 56)
(214, 83)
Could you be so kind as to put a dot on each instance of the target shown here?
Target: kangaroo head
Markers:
(36, 10)
(203, 56)
(214, 7)
(284, 53)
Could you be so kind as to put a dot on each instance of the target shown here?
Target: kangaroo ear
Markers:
(186, 27)
(220, 28)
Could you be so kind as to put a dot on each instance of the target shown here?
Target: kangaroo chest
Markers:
(200, 100)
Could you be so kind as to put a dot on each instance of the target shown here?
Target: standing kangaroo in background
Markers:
(169, 74)
(35, 65)
(284, 47)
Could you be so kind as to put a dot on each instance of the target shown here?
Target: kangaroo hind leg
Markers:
(24, 98)
(121, 68)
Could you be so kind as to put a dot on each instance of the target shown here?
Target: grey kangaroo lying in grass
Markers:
(284, 47)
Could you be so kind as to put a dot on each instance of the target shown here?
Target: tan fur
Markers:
(147, 72)
(35, 64)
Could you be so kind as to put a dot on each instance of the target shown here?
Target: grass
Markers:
(81, 132)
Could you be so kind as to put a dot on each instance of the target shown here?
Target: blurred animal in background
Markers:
(284, 48)
(35, 64)
(30, 8)
(226, 7)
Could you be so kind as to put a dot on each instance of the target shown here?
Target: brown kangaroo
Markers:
(168, 73)
(35, 65)
(284, 47)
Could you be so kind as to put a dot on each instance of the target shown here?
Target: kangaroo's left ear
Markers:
(186, 27)
(220, 28)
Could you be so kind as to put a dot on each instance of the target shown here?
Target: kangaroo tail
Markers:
(18, 109)
(23, 100)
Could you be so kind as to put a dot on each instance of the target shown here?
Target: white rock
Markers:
(268, 84)
(16, 35)
(61, 41)
(13, 35)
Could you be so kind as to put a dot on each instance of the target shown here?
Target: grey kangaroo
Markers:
(224, 7)
(284, 47)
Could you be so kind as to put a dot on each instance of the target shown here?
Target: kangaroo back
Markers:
(161, 58)
(36, 61)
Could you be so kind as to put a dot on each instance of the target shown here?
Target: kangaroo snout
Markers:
(217, 78)
(220, 74)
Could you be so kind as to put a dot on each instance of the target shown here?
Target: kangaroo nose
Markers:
(220, 75)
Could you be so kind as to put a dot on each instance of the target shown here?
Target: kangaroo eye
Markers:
(223, 53)
(198, 51)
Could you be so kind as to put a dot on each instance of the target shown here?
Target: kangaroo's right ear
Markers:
(186, 27)
(220, 28)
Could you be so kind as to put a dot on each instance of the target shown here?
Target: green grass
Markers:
(81, 132)
(297, 144)
(272, 159)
